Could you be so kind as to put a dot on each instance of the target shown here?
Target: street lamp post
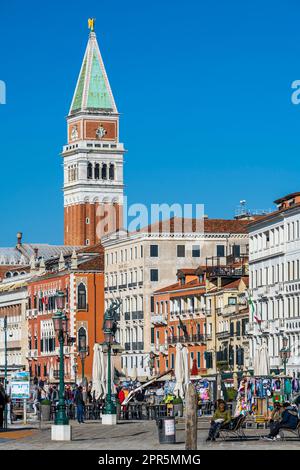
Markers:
(5, 368)
(109, 328)
(61, 430)
(75, 373)
(285, 352)
(83, 352)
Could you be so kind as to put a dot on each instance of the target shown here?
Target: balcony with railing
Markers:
(159, 319)
(32, 354)
(138, 346)
(31, 313)
(138, 315)
(132, 284)
(197, 338)
(223, 334)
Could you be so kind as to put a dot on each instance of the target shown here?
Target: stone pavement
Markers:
(134, 435)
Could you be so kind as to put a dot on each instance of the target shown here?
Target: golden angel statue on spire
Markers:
(91, 23)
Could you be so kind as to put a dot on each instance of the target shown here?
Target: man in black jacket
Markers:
(289, 419)
(79, 402)
(2, 404)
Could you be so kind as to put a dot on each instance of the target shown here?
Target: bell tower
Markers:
(93, 156)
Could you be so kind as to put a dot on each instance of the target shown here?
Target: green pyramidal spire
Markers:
(93, 90)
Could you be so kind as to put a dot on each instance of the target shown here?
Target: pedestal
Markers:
(109, 419)
(61, 432)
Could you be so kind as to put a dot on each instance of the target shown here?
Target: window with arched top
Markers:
(111, 171)
(90, 171)
(97, 171)
(8, 274)
(104, 171)
(82, 339)
(81, 296)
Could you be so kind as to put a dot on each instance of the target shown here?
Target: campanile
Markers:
(93, 156)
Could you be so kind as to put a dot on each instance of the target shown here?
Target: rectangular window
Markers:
(152, 304)
(180, 251)
(198, 359)
(152, 336)
(231, 300)
(236, 251)
(153, 275)
(154, 251)
(196, 251)
(172, 361)
(220, 250)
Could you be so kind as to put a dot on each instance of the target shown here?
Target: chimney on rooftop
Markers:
(19, 239)
(36, 251)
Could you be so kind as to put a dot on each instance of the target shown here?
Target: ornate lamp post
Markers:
(5, 367)
(109, 329)
(285, 352)
(61, 430)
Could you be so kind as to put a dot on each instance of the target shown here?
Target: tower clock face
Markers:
(100, 132)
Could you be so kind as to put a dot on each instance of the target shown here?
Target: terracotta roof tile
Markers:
(185, 225)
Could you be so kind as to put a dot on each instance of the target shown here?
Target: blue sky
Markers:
(204, 89)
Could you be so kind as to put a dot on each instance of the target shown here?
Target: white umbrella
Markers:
(179, 371)
(262, 360)
(98, 372)
(134, 374)
(186, 369)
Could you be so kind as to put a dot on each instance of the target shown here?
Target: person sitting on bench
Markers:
(220, 420)
(289, 420)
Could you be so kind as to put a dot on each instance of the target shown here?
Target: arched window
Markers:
(111, 171)
(104, 171)
(90, 171)
(97, 171)
(82, 339)
(8, 274)
(81, 296)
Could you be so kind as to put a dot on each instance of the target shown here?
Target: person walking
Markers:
(79, 402)
(3, 401)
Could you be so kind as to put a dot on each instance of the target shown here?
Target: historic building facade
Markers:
(13, 303)
(81, 278)
(179, 317)
(18, 265)
(274, 266)
(93, 156)
(227, 317)
(139, 263)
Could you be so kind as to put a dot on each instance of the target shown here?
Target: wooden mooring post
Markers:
(191, 419)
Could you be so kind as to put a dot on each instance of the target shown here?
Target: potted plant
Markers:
(45, 410)
(177, 406)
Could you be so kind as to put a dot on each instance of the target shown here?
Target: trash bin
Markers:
(166, 430)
